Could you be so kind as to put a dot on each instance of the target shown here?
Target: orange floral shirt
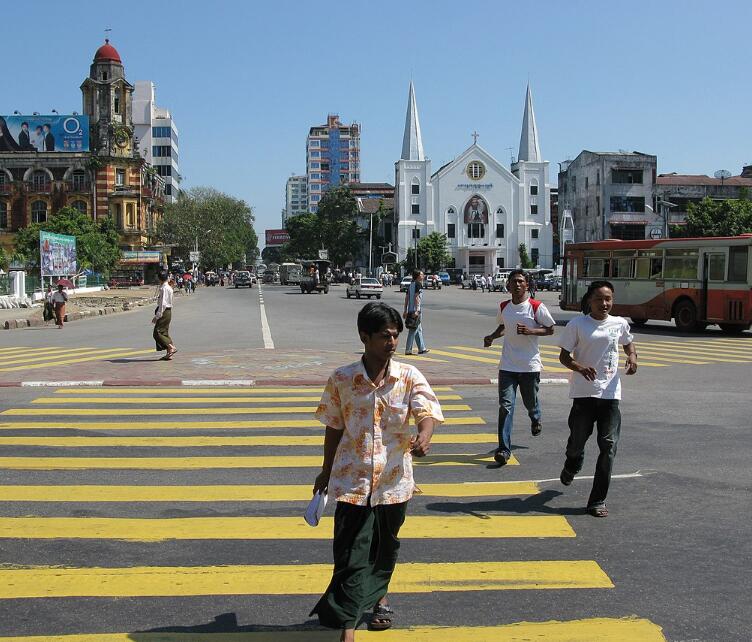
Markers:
(373, 457)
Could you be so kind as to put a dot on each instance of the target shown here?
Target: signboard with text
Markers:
(55, 133)
(57, 253)
(147, 256)
(275, 238)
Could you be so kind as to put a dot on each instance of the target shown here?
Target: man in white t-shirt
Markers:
(590, 348)
(525, 320)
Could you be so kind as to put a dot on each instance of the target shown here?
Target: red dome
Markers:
(107, 52)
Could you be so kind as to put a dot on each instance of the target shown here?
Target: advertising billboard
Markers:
(275, 238)
(57, 254)
(56, 133)
(144, 256)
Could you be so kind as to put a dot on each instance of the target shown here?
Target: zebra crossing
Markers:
(24, 358)
(116, 479)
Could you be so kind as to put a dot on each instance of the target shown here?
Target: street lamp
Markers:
(665, 208)
(370, 245)
(415, 246)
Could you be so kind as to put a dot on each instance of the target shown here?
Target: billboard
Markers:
(56, 133)
(57, 254)
(275, 238)
(144, 256)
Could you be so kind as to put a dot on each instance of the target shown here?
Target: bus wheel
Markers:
(732, 328)
(685, 316)
(638, 322)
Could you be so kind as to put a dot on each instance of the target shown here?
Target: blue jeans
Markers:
(529, 383)
(417, 336)
(604, 414)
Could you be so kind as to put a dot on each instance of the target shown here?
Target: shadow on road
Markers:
(520, 505)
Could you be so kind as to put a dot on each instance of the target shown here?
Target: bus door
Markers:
(712, 301)
(570, 284)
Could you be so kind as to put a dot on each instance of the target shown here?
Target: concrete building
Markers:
(296, 197)
(375, 205)
(610, 195)
(485, 209)
(157, 137)
(332, 157)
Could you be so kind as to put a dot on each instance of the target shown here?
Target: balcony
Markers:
(80, 187)
(38, 188)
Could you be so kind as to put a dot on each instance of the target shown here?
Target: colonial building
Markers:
(110, 178)
(485, 209)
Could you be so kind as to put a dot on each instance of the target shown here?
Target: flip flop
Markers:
(598, 511)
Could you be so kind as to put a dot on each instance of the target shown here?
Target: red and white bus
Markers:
(695, 281)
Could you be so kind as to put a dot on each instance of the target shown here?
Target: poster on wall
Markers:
(56, 133)
(57, 254)
(476, 210)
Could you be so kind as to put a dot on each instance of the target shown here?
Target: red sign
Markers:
(275, 238)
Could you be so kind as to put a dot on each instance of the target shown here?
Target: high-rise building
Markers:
(332, 157)
(296, 198)
(158, 136)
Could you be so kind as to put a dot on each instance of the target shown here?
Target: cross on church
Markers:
(475, 137)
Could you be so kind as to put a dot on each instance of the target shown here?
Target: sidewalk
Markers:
(241, 367)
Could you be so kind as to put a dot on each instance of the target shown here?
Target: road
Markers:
(76, 462)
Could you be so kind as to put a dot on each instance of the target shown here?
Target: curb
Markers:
(238, 383)
(79, 315)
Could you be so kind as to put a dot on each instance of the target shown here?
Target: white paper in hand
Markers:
(315, 508)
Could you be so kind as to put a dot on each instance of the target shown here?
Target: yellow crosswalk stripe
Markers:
(420, 357)
(54, 355)
(66, 441)
(601, 629)
(218, 391)
(677, 355)
(12, 352)
(291, 579)
(273, 528)
(235, 492)
(201, 425)
(203, 463)
(184, 401)
(498, 350)
(102, 355)
(76, 412)
(704, 352)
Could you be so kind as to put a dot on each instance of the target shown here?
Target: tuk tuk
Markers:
(316, 277)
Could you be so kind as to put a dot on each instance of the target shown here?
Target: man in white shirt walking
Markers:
(590, 348)
(162, 318)
(521, 321)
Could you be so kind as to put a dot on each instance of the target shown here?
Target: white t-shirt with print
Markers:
(520, 352)
(595, 344)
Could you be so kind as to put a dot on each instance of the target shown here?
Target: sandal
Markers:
(381, 620)
(598, 511)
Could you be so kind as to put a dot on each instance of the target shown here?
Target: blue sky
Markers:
(245, 80)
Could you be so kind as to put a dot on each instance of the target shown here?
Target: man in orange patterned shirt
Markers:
(368, 450)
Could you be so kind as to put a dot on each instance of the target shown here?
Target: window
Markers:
(119, 177)
(681, 264)
(596, 267)
(451, 210)
(415, 208)
(168, 190)
(315, 165)
(315, 187)
(3, 179)
(533, 190)
(315, 143)
(161, 151)
(315, 176)
(416, 233)
(164, 170)
(626, 176)
(324, 167)
(598, 177)
(388, 231)
(500, 230)
(78, 181)
(534, 255)
(475, 170)
(500, 262)
(451, 230)
(104, 75)
(628, 232)
(574, 183)
(534, 233)
(315, 154)
(80, 206)
(415, 188)
(117, 104)
(649, 264)
(476, 230)
(627, 203)
(39, 181)
(717, 267)
(737, 263)
(315, 197)
(38, 212)
(161, 132)
(586, 182)
(533, 209)
(117, 214)
(129, 215)
(3, 216)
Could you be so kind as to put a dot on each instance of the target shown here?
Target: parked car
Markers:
(211, 278)
(445, 279)
(243, 278)
(553, 283)
(365, 287)
(405, 283)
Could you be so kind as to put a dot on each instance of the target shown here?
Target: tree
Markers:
(432, 252)
(97, 243)
(220, 224)
(525, 262)
(4, 259)
(271, 255)
(719, 218)
(340, 233)
(305, 237)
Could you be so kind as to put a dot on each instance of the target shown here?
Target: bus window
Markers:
(596, 268)
(738, 264)
(621, 265)
(680, 264)
(649, 265)
(716, 267)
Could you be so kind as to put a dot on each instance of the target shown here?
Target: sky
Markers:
(245, 80)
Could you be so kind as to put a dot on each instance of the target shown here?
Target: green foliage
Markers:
(306, 238)
(222, 225)
(96, 242)
(432, 252)
(525, 262)
(4, 259)
(719, 218)
(271, 255)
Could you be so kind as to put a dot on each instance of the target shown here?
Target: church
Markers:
(485, 210)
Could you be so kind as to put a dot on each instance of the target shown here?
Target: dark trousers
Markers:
(604, 414)
(162, 330)
(365, 553)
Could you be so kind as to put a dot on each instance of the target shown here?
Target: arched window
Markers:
(500, 212)
(3, 214)
(80, 206)
(78, 180)
(451, 210)
(38, 212)
(39, 180)
(415, 187)
(129, 216)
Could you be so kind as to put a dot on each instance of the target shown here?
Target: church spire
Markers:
(412, 143)
(529, 148)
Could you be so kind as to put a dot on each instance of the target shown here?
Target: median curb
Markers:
(78, 315)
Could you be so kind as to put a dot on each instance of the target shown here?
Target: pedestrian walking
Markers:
(590, 348)
(521, 321)
(59, 299)
(482, 282)
(162, 318)
(48, 313)
(413, 314)
(368, 450)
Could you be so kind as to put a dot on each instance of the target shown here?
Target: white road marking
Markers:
(218, 382)
(623, 476)
(265, 331)
(62, 384)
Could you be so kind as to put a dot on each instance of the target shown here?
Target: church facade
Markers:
(485, 210)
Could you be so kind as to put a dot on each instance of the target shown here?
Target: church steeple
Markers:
(412, 143)
(529, 148)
